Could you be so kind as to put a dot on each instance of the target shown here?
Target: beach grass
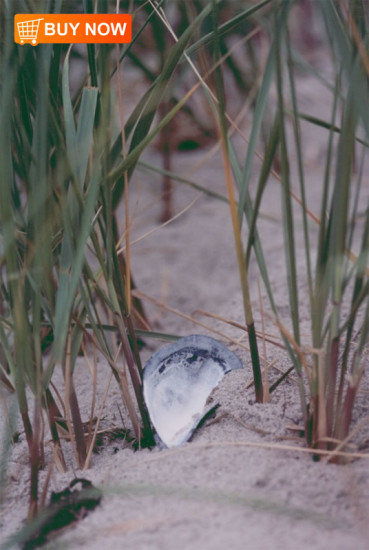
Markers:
(67, 157)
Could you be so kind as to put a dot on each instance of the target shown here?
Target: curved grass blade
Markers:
(226, 27)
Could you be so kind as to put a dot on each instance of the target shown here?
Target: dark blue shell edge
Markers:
(228, 359)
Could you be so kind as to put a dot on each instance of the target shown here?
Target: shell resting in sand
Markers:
(177, 382)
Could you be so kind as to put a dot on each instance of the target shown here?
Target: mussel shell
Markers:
(178, 381)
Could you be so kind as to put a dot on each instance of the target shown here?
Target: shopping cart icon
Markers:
(28, 30)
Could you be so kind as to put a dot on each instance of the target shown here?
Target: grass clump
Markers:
(64, 169)
(336, 278)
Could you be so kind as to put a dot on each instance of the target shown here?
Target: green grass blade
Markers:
(226, 27)
(259, 393)
(287, 214)
(321, 290)
(300, 165)
(69, 280)
(328, 125)
(340, 199)
(339, 35)
(175, 177)
(85, 127)
(70, 128)
(270, 151)
(258, 116)
(256, 241)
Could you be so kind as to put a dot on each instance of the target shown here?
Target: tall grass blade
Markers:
(259, 393)
(300, 165)
(258, 115)
(288, 222)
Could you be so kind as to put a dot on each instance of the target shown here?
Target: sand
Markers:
(246, 479)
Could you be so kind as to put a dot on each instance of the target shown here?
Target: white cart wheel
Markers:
(22, 41)
(33, 41)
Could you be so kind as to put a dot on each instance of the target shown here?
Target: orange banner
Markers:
(43, 28)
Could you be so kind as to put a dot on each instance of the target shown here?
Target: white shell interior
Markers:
(178, 381)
